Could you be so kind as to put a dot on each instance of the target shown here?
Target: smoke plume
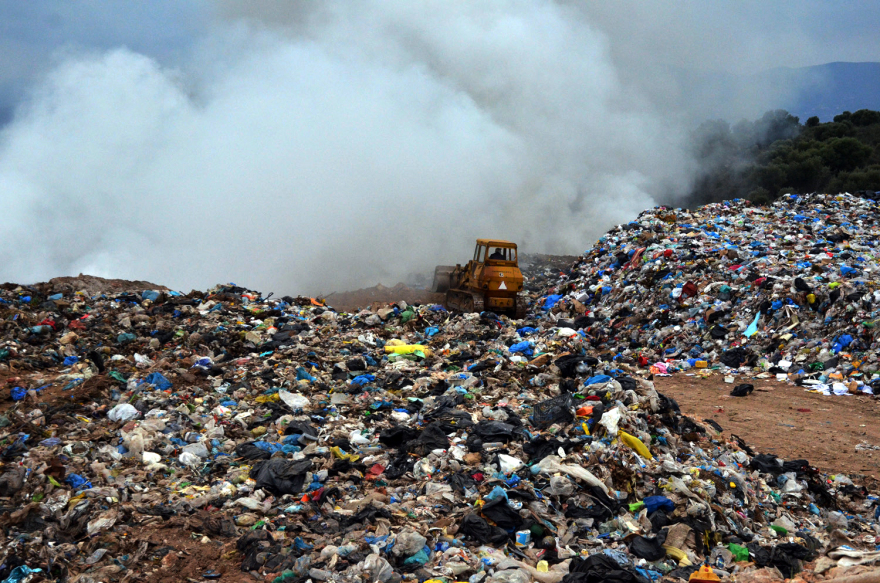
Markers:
(333, 146)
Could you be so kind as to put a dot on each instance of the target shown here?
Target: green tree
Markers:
(826, 131)
(865, 117)
(813, 121)
(845, 154)
(760, 196)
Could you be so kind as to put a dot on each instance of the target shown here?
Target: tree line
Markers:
(776, 155)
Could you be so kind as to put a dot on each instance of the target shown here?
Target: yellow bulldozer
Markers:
(490, 281)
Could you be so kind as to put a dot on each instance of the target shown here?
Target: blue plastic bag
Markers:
(19, 573)
(497, 492)
(303, 375)
(597, 380)
(654, 503)
(77, 482)
(551, 300)
(841, 342)
(420, 558)
(269, 447)
(158, 380)
(363, 379)
(753, 327)
(149, 294)
(125, 338)
(523, 347)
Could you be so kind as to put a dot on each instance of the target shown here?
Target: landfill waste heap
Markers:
(787, 291)
(157, 436)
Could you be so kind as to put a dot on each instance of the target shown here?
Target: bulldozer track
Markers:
(464, 301)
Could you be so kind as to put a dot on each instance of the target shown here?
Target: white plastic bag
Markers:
(508, 463)
(149, 457)
(296, 401)
(122, 412)
(189, 459)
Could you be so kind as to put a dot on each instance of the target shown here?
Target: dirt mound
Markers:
(96, 285)
(351, 301)
(537, 270)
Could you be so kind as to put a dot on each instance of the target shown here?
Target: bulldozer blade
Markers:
(442, 275)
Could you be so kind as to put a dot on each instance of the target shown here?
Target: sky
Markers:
(326, 145)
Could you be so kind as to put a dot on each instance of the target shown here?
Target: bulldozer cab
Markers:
(500, 253)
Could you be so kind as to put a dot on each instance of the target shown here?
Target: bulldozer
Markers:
(490, 281)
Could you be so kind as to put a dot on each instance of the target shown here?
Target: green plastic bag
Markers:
(740, 553)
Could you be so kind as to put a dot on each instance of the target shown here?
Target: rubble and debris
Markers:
(787, 291)
(150, 435)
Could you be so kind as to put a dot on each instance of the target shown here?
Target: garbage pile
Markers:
(787, 291)
(157, 436)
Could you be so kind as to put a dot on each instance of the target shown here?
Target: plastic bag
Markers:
(122, 412)
(742, 390)
(508, 464)
(296, 401)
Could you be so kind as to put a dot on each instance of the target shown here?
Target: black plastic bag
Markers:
(461, 481)
(476, 528)
(627, 383)
(600, 568)
(555, 410)
(603, 508)
(367, 515)
(735, 357)
(474, 443)
(713, 424)
(249, 451)
(766, 463)
(500, 512)
(742, 390)
(493, 431)
(650, 549)
(432, 437)
(568, 364)
(396, 436)
(802, 286)
(299, 427)
(789, 557)
(759, 554)
(683, 572)
(281, 476)
(659, 520)
(540, 447)
(454, 421)
(400, 465)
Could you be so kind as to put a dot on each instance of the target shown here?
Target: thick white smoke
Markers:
(351, 144)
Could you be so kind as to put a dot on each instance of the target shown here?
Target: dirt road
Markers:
(787, 421)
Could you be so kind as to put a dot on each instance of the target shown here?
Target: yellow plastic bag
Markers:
(408, 349)
(635, 444)
(677, 554)
(337, 452)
